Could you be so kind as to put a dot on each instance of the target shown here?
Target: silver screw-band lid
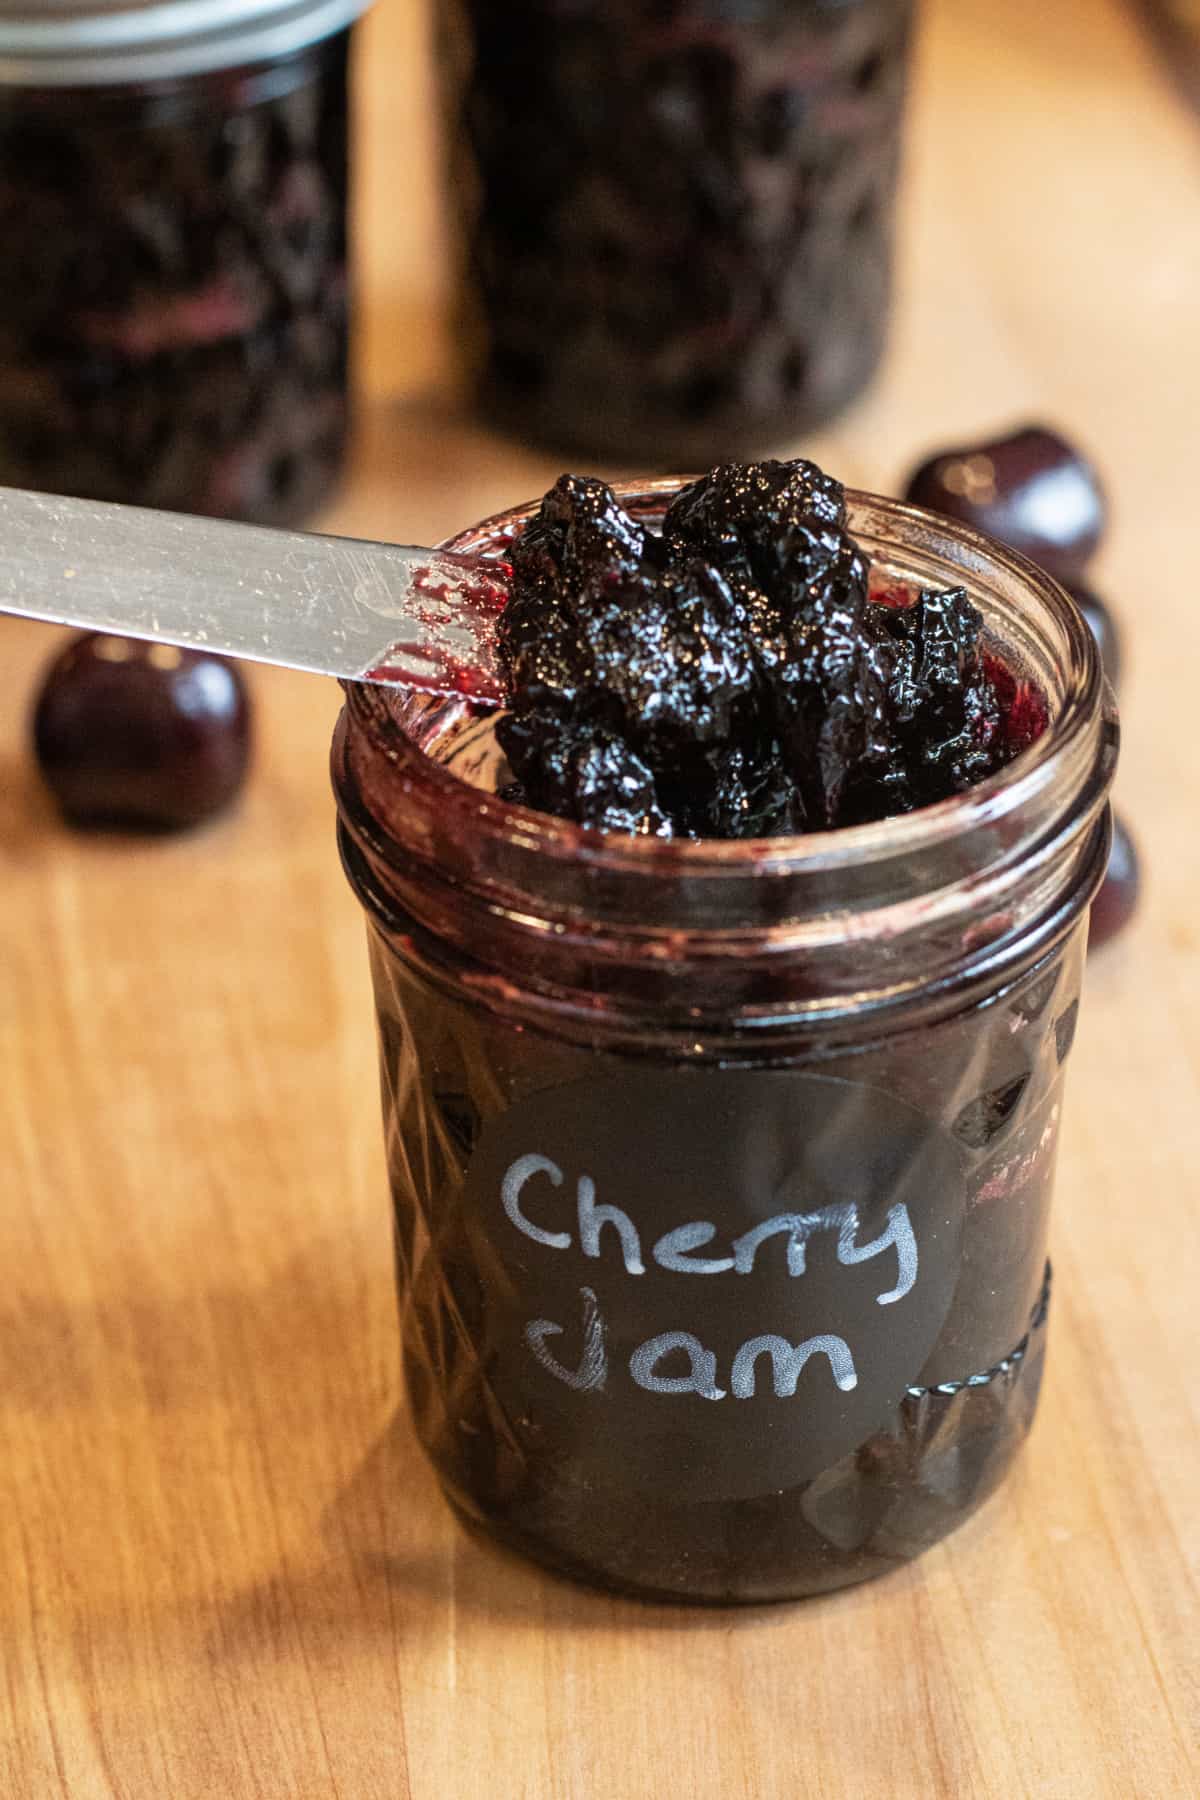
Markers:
(90, 43)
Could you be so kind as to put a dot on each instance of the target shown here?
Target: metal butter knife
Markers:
(345, 607)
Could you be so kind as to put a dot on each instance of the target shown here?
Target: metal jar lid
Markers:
(91, 43)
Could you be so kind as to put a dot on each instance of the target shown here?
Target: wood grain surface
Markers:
(224, 1570)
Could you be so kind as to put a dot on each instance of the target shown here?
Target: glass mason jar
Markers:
(174, 324)
(721, 1170)
(675, 220)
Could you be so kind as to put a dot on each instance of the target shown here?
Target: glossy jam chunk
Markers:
(732, 675)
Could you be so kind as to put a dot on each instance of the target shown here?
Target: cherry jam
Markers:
(721, 1169)
(674, 222)
(732, 676)
(175, 318)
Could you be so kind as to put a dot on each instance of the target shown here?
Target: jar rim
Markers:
(984, 805)
(95, 43)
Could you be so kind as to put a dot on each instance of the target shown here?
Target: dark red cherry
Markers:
(141, 735)
(1116, 902)
(1102, 625)
(1033, 490)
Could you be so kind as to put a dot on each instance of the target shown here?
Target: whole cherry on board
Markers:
(1102, 625)
(1116, 902)
(141, 735)
(1032, 489)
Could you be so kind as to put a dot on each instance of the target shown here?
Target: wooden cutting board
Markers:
(224, 1570)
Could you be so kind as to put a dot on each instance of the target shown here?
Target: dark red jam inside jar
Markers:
(675, 220)
(174, 325)
(721, 1170)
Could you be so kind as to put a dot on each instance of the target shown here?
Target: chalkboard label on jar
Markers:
(711, 1284)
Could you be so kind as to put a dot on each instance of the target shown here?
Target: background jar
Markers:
(718, 1035)
(173, 184)
(675, 221)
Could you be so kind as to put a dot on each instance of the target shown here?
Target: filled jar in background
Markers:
(173, 189)
(721, 1171)
(675, 221)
